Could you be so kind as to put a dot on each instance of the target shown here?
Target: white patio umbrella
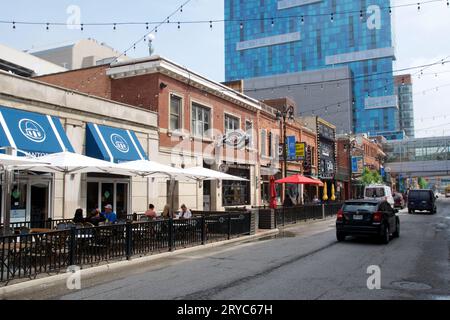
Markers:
(71, 163)
(7, 160)
(148, 168)
(200, 174)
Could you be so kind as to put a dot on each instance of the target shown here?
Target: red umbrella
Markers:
(273, 193)
(298, 179)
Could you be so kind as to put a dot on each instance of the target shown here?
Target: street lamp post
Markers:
(287, 113)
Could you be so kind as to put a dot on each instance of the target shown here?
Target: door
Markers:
(121, 206)
(107, 195)
(39, 202)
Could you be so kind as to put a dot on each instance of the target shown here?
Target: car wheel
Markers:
(396, 234)
(340, 236)
(385, 236)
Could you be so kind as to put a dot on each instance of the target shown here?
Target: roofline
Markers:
(157, 64)
(34, 80)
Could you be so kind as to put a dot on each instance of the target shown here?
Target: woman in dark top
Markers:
(78, 218)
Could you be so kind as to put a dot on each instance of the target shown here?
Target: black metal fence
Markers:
(291, 215)
(28, 255)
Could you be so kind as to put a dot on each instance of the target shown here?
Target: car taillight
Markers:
(377, 216)
(340, 215)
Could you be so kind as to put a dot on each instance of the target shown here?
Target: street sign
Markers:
(291, 147)
(357, 165)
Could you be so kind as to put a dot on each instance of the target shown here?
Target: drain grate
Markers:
(409, 285)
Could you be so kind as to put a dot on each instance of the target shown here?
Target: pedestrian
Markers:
(78, 217)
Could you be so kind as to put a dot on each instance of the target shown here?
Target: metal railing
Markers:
(291, 215)
(28, 255)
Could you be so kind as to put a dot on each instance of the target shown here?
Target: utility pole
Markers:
(287, 113)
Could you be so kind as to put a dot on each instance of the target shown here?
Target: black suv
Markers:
(421, 200)
(367, 218)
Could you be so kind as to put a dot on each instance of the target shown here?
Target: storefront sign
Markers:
(357, 165)
(300, 150)
(291, 147)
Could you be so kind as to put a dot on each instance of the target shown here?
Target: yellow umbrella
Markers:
(333, 197)
(325, 192)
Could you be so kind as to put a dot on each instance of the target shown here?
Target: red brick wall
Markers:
(92, 81)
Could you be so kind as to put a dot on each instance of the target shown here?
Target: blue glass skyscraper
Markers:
(265, 38)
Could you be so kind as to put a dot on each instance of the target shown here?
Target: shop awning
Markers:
(34, 133)
(113, 144)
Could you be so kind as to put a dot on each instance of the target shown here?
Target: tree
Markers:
(423, 184)
(370, 177)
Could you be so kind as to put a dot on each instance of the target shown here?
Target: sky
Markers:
(421, 37)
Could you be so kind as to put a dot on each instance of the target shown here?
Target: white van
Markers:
(379, 192)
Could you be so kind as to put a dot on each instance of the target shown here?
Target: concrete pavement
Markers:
(303, 262)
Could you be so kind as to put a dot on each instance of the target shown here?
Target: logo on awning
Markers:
(32, 130)
(119, 143)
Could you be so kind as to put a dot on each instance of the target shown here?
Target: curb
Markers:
(88, 272)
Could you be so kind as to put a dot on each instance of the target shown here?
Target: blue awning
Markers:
(113, 144)
(33, 133)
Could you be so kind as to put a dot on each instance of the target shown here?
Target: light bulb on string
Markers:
(361, 14)
(418, 6)
(156, 29)
(82, 27)
(303, 20)
(48, 26)
(146, 25)
(168, 20)
(179, 26)
(14, 25)
(390, 10)
(241, 25)
(210, 25)
(332, 17)
(114, 27)
(272, 23)
(181, 9)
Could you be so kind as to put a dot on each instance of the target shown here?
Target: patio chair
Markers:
(88, 225)
(24, 230)
(144, 219)
(62, 226)
(79, 225)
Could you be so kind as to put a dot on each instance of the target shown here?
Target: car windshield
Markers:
(419, 194)
(375, 192)
(360, 206)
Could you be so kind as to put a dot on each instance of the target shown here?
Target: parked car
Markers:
(367, 218)
(421, 200)
(399, 201)
(447, 191)
(379, 192)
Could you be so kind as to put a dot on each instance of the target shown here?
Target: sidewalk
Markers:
(116, 266)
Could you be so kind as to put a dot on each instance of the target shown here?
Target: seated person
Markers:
(109, 214)
(185, 213)
(166, 212)
(95, 217)
(78, 217)
(151, 213)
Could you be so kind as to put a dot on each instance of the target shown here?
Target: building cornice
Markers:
(160, 65)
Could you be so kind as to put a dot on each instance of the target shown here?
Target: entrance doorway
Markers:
(30, 200)
(115, 192)
(39, 193)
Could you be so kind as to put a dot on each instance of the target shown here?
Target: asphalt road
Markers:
(304, 262)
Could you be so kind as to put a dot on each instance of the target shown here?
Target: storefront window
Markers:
(236, 192)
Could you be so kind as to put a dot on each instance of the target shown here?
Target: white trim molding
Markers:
(361, 56)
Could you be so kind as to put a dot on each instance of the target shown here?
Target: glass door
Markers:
(107, 195)
(121, 206)
(39, 202)
(18, 211)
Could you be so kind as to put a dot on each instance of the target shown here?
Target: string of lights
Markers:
(211, 22)
(133, 46)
